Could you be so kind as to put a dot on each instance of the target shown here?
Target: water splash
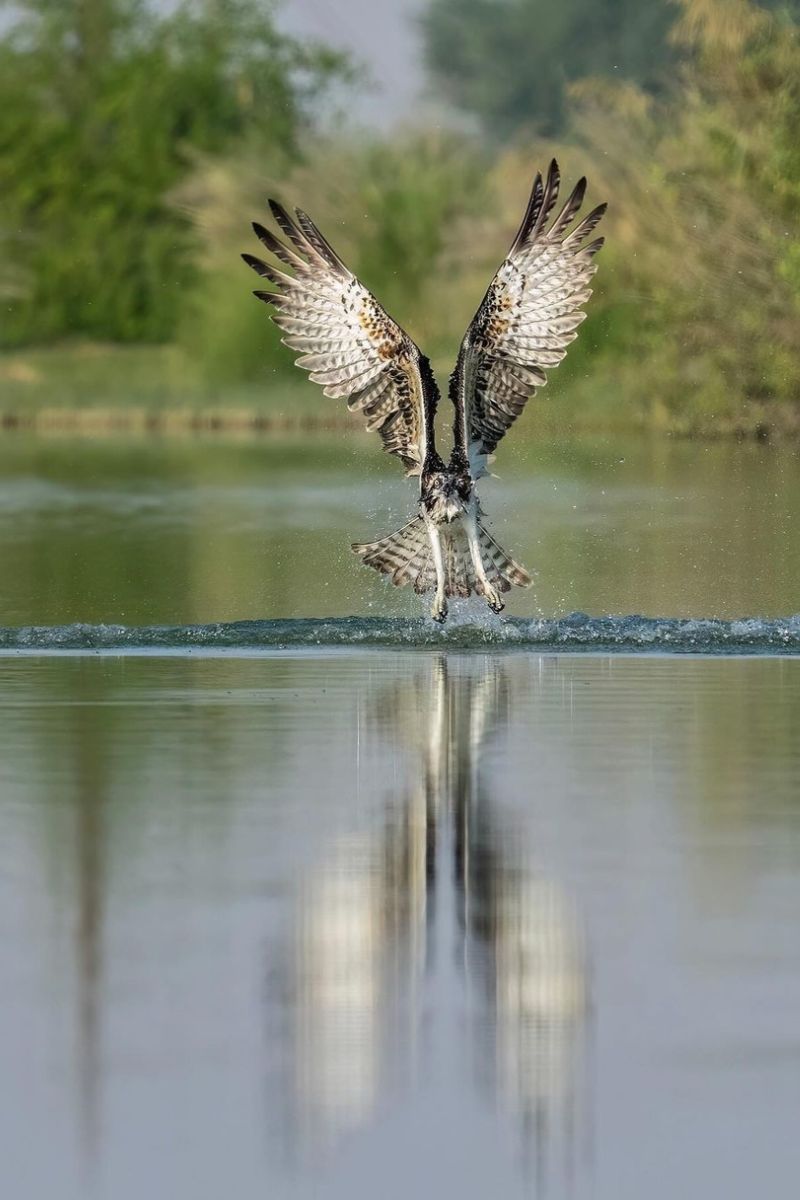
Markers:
(576, 632)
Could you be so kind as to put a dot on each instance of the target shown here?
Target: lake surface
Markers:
(366, 924)
(343, 923)
(181, 531)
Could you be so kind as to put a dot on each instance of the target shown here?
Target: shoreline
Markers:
(99, 421)
(96, 390)
(91, 422)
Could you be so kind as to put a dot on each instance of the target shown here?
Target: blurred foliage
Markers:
(102, 103)
(147, 143)
(509, 63)
(389, 207)
(698, 309)
(695, 324)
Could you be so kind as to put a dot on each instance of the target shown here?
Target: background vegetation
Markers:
(136, 144)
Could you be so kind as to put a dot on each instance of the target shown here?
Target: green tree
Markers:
(698, 305)
(103, 106)
(508, 62)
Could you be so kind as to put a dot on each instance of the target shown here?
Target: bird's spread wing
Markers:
(347, 342)
(527, 319)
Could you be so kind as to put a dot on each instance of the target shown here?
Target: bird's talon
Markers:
(494, 601)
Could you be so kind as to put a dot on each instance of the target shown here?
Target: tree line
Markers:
(136, 144)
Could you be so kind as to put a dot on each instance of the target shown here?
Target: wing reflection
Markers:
(448, 864)
(356, 962)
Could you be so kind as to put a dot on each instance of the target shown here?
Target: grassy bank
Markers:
(96, 389)
(88, 388)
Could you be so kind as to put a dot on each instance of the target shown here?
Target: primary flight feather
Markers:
(353, 348)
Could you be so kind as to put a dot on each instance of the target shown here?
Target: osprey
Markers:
(351, 346)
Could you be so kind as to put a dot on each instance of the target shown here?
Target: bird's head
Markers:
(441, 494)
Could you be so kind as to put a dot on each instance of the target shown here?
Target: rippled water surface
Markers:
(302, 896)
(388, 924)
(178, 532)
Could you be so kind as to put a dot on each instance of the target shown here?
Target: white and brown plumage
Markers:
(354, 349)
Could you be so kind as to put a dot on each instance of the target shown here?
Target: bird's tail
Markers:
(405, 556)
(502, 570)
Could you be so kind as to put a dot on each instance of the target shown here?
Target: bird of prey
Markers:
(351, 346)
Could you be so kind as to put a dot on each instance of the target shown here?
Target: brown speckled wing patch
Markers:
(345, 340)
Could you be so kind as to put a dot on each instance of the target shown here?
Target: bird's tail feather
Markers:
(501, 568)
(405, 557)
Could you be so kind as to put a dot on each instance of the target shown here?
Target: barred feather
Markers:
(527, 319)
(405, 558)
(346, 341)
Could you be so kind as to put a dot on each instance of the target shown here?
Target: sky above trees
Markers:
(383, 35)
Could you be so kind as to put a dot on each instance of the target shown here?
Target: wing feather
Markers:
(526, 320)
(345, 339)
(289, 229)
(276, 247)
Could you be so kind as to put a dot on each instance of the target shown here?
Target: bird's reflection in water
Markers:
(450, 867)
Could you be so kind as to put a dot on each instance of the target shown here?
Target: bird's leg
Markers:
(439, 607)
(491, 595)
